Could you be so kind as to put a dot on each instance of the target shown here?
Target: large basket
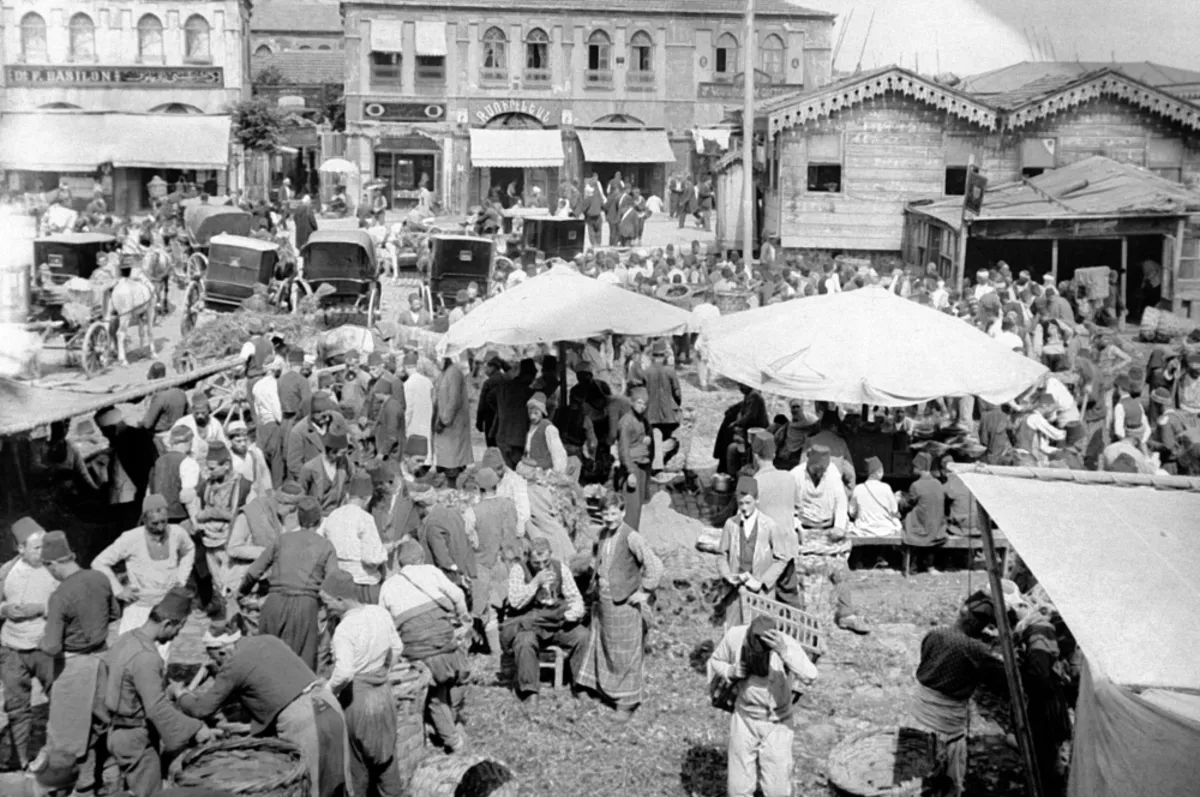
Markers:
(732, 301)
(1160, 325)
(884, 763)
(263, 767)
(802, 627)
(439, 776)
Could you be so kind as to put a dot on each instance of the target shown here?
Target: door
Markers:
(1186, 290)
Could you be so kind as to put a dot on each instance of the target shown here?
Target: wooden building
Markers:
(1094, 212)
(844, 160)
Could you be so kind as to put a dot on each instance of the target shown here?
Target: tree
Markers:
(271, 75)
(258, 125)
(335, 111)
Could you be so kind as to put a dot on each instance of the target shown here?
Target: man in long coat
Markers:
(512, 414)
(306, 222)
(452, 426)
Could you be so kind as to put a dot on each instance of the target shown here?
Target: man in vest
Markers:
(543, 446)
(634, 447)
(544, 608)
(255, 353)
(176, 477)
(755, 551)
(145, 723)
(1128, 410)
(223, 495)
(205, 430)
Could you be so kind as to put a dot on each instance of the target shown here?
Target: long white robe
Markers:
(418, 412)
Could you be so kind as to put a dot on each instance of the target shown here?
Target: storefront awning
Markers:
(431, 38)
(625, 146)
(525, 149)
(79, 141)
(387, 35)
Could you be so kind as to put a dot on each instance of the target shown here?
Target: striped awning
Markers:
(526, 149)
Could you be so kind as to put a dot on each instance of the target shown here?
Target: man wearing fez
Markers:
(78, 617)
(294, 564)
(390, 434)
(176, 477)
(145, 723)
(351, 530)
(132, 452)
(223, 495)
(325, 476)
(158, 555)
(257, 526)
(755, 551)
(306, 438)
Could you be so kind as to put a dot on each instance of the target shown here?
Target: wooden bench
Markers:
(951, 544)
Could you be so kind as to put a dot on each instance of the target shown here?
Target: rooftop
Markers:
(304, 67)
(296, 16)
(770, 8)
(1013, 78)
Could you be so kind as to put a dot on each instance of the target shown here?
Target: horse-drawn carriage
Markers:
(341, 271)
(236, 266)
(455, 262)
(552, 236)
(200, 224)
(72, 297)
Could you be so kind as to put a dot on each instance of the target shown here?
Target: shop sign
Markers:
(735, 89)
(131, 76)
(486, 113)
(404, 111)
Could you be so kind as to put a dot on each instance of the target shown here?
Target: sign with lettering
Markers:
(130, 76)
(404, 112)
(737, 90)
(484, 112)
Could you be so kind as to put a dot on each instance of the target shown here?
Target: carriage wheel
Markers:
(374, 299)
(96, 348)
(197, 264)
(224, 393)
(192, 301)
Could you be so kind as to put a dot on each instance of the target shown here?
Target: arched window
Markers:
(726, 57)
(495, 50)
(641, 52)
(537, 51)
(150, 39)
(82, 45)
(599, 58)
(262, 49)
(771, 58)
(33, 37)
(196, 39)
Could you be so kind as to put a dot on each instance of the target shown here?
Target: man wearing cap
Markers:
(512, 412)
(351, 530)
(27, 588)
(247, 458)
(202, 426)
(452, 425)
(390, 433)
(257, 525)
(255, 353)
(496, 531)
(431, 616)
(306, 438)
(145, 723)
(543, 446)
(295, 565)
(165, 406)
(512, 486)
(267, 408)
(355, 383)
(443, 536)
(1127, 454)
(223, 495)
(1188, 396)
(634, 455)
(755, 551)
(873, 506)
(280, 695)
(325, 476)
(777, 494)
(1127, 411)
(415, 315)
(158, 555)
(663, 393)
(295, 391)
(132, 451)
(365, 645)
(925, 523)
(78, 617)
(485, 413)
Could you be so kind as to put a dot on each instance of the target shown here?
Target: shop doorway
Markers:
(1145, 255)
(499, 179)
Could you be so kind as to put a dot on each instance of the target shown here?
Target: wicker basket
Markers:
(439, 776)
(1159, 325)
(883, 763)
(800, 626)
(732, 301)
(262, 767)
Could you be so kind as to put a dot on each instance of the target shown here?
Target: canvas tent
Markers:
(865, 346)
(1119, 561)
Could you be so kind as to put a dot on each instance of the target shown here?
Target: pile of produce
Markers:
(223, 335)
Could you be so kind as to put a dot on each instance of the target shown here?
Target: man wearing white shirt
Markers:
(352, 531)
(268, 409)
(702, 313)
(204, 429)
(1064, 401)
(873, 505)
(1008, 338)
(418, 405)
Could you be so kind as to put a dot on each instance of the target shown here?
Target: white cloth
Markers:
(253, 467)
(355, 537)
(1068, 411)
(211, 433)
(874, 509)
(1011, 341)
(417, 586)
(267, 407)
(818, 504)
(26, 584)
(150, 578)
(364, 637)
(418, 410)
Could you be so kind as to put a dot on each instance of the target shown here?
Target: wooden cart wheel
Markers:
(197, 264)
(191, 308)
(96, 348)
(224, 392)
(373, 304)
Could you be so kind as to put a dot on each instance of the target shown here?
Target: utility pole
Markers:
(748, 197)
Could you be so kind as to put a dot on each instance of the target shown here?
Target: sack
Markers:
(723, 693)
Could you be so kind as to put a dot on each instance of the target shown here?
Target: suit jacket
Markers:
(304, 442)
(512, 416)
(662, 384)
(772, 550)
(632, 449)
(589, 206)
(485, 414)
(316, 483)
(443, 535)
(389, 427)
(452, 424)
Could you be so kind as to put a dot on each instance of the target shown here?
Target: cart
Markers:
(200, 224)
(236, 264)
(341, 271)
(65, 255)
(552, 236)
(456, 261)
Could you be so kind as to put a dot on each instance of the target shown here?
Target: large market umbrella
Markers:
(339, 166)
(865, 346)
(562, 305)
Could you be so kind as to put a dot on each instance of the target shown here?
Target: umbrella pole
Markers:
(748, 197)
(562, 373)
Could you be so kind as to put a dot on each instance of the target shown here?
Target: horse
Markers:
(158, 270)
(132, 301)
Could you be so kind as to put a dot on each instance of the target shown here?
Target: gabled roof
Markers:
(304, 67)
(296, 16)
(1008, 79)
(1095, 186)
(791, 110)
(767, 8)
(1054, 94)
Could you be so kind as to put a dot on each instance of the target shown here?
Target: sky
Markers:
(972, 36)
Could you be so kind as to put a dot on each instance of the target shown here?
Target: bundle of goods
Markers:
(261, 766)
(448, 775)
(1161, 326)
(223, 335)
(1094, 282)
(683, 296)
(567, 499)
(940, 438)
(884, 763)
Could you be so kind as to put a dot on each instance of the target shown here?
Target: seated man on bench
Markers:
(543, 609)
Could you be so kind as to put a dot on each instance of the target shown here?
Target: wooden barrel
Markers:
(439, 776)
(255, 767)
(1160, 325)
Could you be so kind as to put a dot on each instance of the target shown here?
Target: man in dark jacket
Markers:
(443, 537)
(613, 194)
(486, 413)
(306, 222)
(590, 206)
(512, 414)
(634, 455)
(662, 385)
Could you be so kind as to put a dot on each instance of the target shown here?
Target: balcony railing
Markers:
(537, 78)
(639, 81)
(493, 75)
(598, 78)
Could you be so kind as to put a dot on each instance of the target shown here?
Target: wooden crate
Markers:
(800, 626)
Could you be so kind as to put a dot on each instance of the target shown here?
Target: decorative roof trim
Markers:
(896, 80)
(1107, 84)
